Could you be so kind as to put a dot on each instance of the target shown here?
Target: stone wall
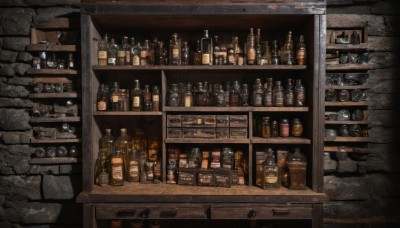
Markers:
(363, 192)
(30, 195)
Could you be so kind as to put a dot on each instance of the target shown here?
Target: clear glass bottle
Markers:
(200, 95)
(299, 94)
(278, 94)
(152, 51)
(258, 47)
(266, 55)
(301, 52)
(144, 53)
(197, 54)
(147, 101)
(210, 97)
(117, 168)
(274, 53)
(287, 51)
(188, 97)
(271, 177)
(161, 54)
(121, 54)
(274, 129)
(70, 62)
(155, 98)
(173, 95)
(251, 49)
(102, 98)
(244, 95)
(114, 96)
(257, 97)
(231, 53)
(234, 94)
(154, 146)
(175, 50)
(112, 53)
(206, 49)
(102, 51)
(51, 62)
(102, 168)
(107, 142)
(289, 93)
(217, 52)
(133, 167)
(185, 54)
(268, 94)
(137, 98)
(238, 52)
(123, 101)
(124, 144)
(135, 53)
(227, 91)
(219, 96)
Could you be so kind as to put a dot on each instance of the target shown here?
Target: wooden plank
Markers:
(345, 149)
(51, 79)
(347, 47)
(349, 67)
(347, 103)
(55, 72)
(127, 113)
(54, 120)
(59, 23)
(281, 140)
(345, 21)
(54, 95)
(207, 109)
(56, 160)
(280, 109)
(348, 139)
(52, 48)
(207, 141)
(348, 87)
(197, 2)
(195, 67)
(346, 122)
(38, 141)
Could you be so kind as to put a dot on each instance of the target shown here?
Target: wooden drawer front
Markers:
(152, 212)
(260, 212)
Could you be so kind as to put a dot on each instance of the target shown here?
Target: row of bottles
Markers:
(116, 99)
(128, 159)
(284, 128)
(208, 51)
(53, 60)
(233, 94)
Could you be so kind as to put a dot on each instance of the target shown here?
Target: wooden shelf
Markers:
(55, 141)
(347, 47)
(235, 109)
(54, 119)
(56, 160)
(54, 95)
(347, 87)
(347, 139)
(126, 113)
(280, 109)
(346, 149)
(52, 48)
(207, 141)
(282, 140)
(346, 122)
(347, 103)
(55, 72)
(197, 67)
(59, 23)
(349, 67)
(160, 193)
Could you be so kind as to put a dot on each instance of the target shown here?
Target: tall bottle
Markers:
(112, 53)
(188, 96)
(153, 156)
(147, 101)
(135, 53)
(257, 97)
(137, 98)
(287, 51)
(152, 51)
(124, 144)
(117, 168)
(155, 98)
(278, 94)
(244, 95)
(144, 54)
(133, 167)
(185, 55)
(301, 53)
(271, 177)
(121, 54)
(161, 54)
(102, 98)
(251, 49)
(266, 55)
(102, 168)
(218, 54)
(234, 94)
(258, 47)
(274, 53)
(231, 53)
(197, 54)
(299, 94)
(289, 93)
(268, 94)
(206, 49)
(238, 52)
(114, 96)
(107, 142)
(175, 50)
(102, 51)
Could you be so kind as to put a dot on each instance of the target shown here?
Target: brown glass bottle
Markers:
(257, 97)
(155, 98)
(114, 96)
(206, 49)
(278, 94)
(271, 177)
(102, 98)
(117, 168)
(289, 93)
(251, 49)
(175, 50)
(299, 94)
(234, 94)
(102, 51)
(137, 98)
(268, 94)
(121, 54)
(301, 53)
(147, 101)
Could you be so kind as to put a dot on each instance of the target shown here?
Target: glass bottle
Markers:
(144, 54)
(274, 53)
(70, 63)
(161, 54)
(51, 62)
(278, 94)
(121, 54)
(234, 94)
(182, 90)
(102, 51)
(297, 165)
(244, 95)
(250, 48)
(127, 48)
(155, 98)
(210, 97)
(299, 94)
(289, 93)
(227, 92)
(206, 49)
(147, 101)
(200, 95)
(217, 52)
(238, 52)
(266, 128)
(271, 177)
(188, 97)
(287, 51)
(117, 168)
(258, 47)
(152, 51)
(197, 54)
(175, 50)
(112, 53)
(102, 168)
(114, 96)
(173, 95)
(260, 159)
(154, 146)
(257, 97)
(268, 94)
(231, 53)
(301, 53)
(135, 53)
(107, 142)
(274, 129)
(185, 54)
(297, 127)
(123, 104)
(266, 55)
(133, 167)
(137, 98)
(284, 128)
(219, 96)
(124, 144)
(102, 98)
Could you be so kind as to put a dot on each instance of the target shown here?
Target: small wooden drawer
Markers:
(238, 133)
(199, 133)
(174, 133)
(261, 212)
(222, 120)
(238, 121)
(174, 121)
(222, 133)
(198, 121)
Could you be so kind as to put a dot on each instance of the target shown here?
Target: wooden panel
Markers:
(347, 47)
(348, 139)
(282, 140)
(346, 122)
(52, 48)
(347, 103)
(59, 23)
(280, 109)
(52, 71)
(349, 67)
(56, 160)
(346, 149)
(196, 2)
(55, 140)
(347, 87)
(207, 141)
(54, 95)
(54, 120)
(126, 113)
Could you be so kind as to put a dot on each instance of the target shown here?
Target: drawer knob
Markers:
(280, 211)
(252, 214)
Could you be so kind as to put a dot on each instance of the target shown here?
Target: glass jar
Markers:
(268, 94)
(244, 95)
(271, 177)
(257, 97)
(234, 94)
(343, 130)
(297, 127)
(297, 164)
(344, 95)
(278, 94)
(299, 94)
(200, 95)
(219, 95)
(188, 96)
(173, 96)
(266, 128)
(274, 129)
(289, 93)
(284, 128)
(355, 130)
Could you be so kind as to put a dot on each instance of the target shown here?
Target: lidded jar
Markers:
(297, 164)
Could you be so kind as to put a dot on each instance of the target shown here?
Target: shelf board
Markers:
(347, 103)
(349, 67)
(347, 87)
(347, 139)
(197, 67)
(52, 48)
(349, 47)
(56, 72)
(54, 95)
(207, 141)
(59, 23)
(163, 193)
(127, 113)
(280, 109)
(346, 122)
(54, 119)
(236, 109)
(55, 140)
(282, 140)
(346, 149)
(56, 160)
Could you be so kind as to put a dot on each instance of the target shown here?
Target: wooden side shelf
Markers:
(345, 149)
(280, 109)
(196, 67)
(347, 103)
(52, 71)
(207, 141)
(56, 141)
(282, 140)
(348, 139)
(236, 109)
(52, 48)
(347, 47)
(56, 160)
(54, 120)
(346, 122)
(127, 113)
(54, 95)
(348, 87)
(349, 67)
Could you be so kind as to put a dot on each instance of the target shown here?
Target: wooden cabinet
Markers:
(171, 201)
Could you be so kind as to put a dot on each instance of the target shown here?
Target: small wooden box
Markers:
(174, 133)
(187, 176)
(238, 133)
(174, 121)
(222, 121)
(199, 133)
(222, 133)
(238, 121)
(205, 177)
(223, 177)
(198, 121)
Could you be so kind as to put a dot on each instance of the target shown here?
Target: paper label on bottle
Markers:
(301, 53)
(205, 59)
(240, 61)
(136, 102)
(152, 155)
(231, 59)
(157, 170)
(144, 53)
(116, 172)
(102, 55)
(136, 60)
(251, 55)
(188, 102)
(101, 105)
(115, 98)
(133, 169)
(111, 61)
(175, 53)
(156, 98)
(271, 179)
(103, 179)
(121, 54)
(127, 57)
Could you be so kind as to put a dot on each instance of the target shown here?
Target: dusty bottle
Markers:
(268, 94)
(265, 58)
(234, 94)
(251, 49)
(218, 54)
(278, 94)
(301, 53)
(200, 95)
(102, 168)
(219, 95)
(188, 96)
(206, 49)
(244, 95)
(271, 177)
(117, 168)
(155, 98)
(102, 98)
(144, 54)
(114, 96)
(112, 53)
(137, 98)
(161, 54)
(238, 52)
(297, 127)
(299, 94)
(266, 128)
(257, 97)
(133, 167)
(147, 101)
(231, 53)
(102, 51)
(185, 54)
(121, 54)
(152, 51)
(197, 54)
(258, 47)
(107, 142)
(287, 51)
(124, 144)
(123, 101)
(274, 53)
(227, 92)
(175, 50)
(289, 93)
(135, 53)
